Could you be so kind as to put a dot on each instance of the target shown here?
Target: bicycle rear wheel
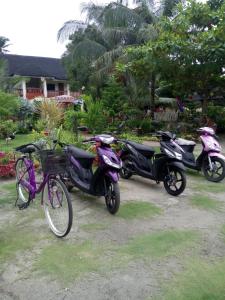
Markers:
(22, 176)
(57, 207)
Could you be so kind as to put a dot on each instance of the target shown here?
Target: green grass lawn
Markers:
(67, 262)
(19, 140)
(8, 194)
(199, 281)
(138, 209)
(205, 202)
(159, 244)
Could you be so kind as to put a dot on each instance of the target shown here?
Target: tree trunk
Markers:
(204, 106)
(152, 95)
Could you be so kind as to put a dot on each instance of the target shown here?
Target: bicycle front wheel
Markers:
(22, 177)
(57, 207)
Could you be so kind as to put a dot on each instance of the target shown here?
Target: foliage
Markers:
(9, 105)
(131, 136)
(25, 116)
(51, 113)
(217, 114)
(73, 119)
(188, 53)
(40, 125)
(98, 43)
(7, 128)
(113, 96)
(96, 117)
(3, 44)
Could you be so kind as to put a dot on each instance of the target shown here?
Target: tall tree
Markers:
(4, 44)
(189, 51)
(96, 44)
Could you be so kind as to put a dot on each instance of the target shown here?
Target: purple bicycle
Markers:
(55, 197)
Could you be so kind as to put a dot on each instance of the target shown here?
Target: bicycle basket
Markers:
(53, 162)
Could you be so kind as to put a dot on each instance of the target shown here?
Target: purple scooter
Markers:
(211, 161)
(102, 182)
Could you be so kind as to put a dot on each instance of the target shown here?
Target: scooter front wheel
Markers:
(112, 197)
(175, 181)
(217, 172)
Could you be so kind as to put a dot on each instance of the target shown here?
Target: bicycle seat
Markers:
(26, 149)
(145, 150)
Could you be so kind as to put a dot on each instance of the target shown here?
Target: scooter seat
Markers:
(79, 153)
(183, 142)
(144, 150)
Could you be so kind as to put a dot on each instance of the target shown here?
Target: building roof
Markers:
(34, 66)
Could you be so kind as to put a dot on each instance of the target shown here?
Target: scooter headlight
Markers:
(110, 163)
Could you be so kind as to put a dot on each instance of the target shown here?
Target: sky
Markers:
(32, 25)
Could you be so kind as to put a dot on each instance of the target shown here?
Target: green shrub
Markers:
(113, 96)
(73, 119)
(7, 128)
(9, 105)
(146, 126)
(40, 125)
(217, 114)
(96, 117)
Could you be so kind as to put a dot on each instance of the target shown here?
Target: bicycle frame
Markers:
(32, 184)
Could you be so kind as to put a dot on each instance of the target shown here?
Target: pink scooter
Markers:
(211, 161)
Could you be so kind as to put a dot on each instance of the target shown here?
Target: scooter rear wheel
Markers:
(112, 198)
(175, 181)
(218, 169)
(124, 172)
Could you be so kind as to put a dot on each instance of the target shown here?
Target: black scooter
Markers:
(166, 166)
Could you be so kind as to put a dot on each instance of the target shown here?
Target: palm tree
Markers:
(98, 42)
(3, 44)
(101, 39)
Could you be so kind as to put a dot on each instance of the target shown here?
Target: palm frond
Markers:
(88, 49)
(100, 75)
(147, 33)
(69, 28)
(119, 35)
(108, 58)
(93, 11)
(117, 15)
(150, 4)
